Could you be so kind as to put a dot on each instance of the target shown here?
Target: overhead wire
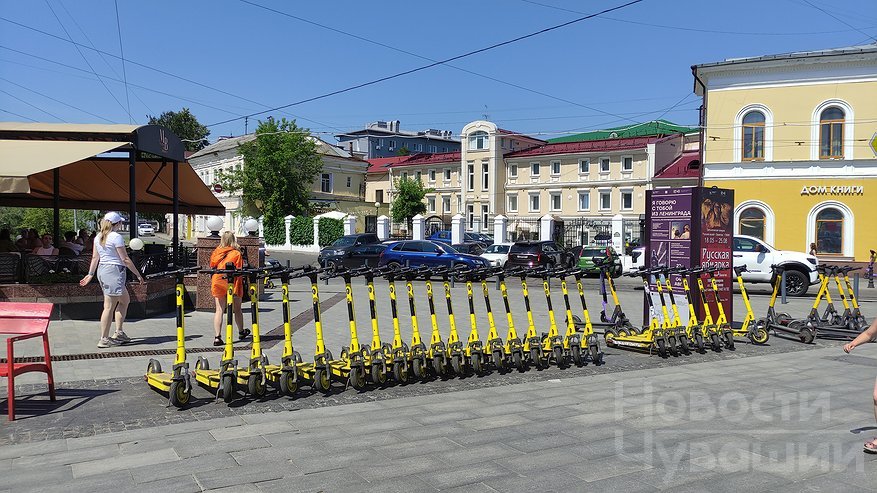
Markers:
(436, 63)
(122, 53)
(837, 18)
(18, 115)
(57, 100)
(13, 96)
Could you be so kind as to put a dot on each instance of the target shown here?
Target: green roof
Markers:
(646, 129)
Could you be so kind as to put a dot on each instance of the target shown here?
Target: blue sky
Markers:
(630, 65)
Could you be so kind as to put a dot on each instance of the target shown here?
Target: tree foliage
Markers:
(43, 219)
(186, 126)
(330, 230)
(280, 165)
(409, 200)
(403, 151)
(301, 231)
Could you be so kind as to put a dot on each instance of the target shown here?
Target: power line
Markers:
(13, 96)
(154, 69)
(56, 100)
(122, 53)
(86, 59)
(18, 115)
(440, 62)
(400, 50)
(691, 29)
(838, 19)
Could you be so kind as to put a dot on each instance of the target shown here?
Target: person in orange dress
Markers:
(228, 251)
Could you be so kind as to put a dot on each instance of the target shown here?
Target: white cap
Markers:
(113, 217)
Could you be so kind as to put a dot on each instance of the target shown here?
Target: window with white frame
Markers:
(392, 144)
(584, 200)
(604, 165)
(605, 200)
(446, 204)
(349, 180)
(626, 200)
(556, 199)
(534, 202)
(513, 171)
(404, 175)
(471, 176)
(432, 175)
(478, 141)
(432, 149)
(627, 163)
(584, 166)
(326, 182)
(513, 203)
(485, 177)
(430, 203)
(470, 215)
(485, 212)
(417, 148)
(447, 174)
(418, 175)
(534, 169)
(555, 168)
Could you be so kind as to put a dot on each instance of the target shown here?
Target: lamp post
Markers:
(377, 209)
(214, 225)
(251, 226)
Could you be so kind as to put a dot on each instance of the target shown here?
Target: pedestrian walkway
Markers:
(779, 422)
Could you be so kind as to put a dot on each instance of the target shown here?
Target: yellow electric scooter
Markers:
(437, 353)
(749, 328)
(456, 352)
(532, 340)
(589, 338)
(723, 326)
(351, 367)
(286, 375)
(378, 354)
(177, 383)
(474, 348)
(514, 347)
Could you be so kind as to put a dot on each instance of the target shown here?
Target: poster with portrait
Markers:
(715, 230)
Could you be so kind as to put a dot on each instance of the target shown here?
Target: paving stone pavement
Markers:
(782, 421)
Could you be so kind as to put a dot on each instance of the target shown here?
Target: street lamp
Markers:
(377, 208)
(214, 225)
(251, 226)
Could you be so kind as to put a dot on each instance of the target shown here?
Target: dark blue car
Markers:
(428, 253)
(468, 237)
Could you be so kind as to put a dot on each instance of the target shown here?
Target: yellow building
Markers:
(791, 134)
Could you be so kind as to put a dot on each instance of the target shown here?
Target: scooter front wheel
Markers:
(255, 386)
(559, 357)
(321, 380)
(457, 365)
(759, 335)
(576, 353)
(806, 335)
(419, 368)
(729, 340)
(288, 383)
(715, 342)
(518, 361)
(497, 360)
(476, 363)
(179, 395)
(228, 387)
(536, 358)
(662, 348)
(698, 341)
(671, 343)
(684, 345)
(357, 378)
(379, 373)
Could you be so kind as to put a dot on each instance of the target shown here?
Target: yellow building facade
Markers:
(792, 136)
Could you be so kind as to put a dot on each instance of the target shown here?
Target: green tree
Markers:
(280, 165)
(43, 219)
(403, 151)
(409, 200)
(186, 126)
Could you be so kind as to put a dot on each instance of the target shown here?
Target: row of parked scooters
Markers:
(572, 341)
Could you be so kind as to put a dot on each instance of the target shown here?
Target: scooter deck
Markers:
(209, 378)
(161, 381)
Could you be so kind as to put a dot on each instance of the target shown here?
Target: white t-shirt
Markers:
(108, 253)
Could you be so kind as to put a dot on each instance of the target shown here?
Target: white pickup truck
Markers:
(758, 256)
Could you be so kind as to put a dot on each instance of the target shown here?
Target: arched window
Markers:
(753, 136)
(831, 133)
(829, 231)
(478, 141)
(752, 222)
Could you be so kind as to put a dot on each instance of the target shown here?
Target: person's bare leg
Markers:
(122, 309)
(106, 317)
(238, 314)
(218, 316)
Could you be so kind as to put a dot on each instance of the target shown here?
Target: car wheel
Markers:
(796, 283)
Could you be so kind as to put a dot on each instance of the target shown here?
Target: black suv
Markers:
(535, 254)
(332, 254)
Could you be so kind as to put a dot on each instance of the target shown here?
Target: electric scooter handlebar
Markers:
(308, 270)
(230, 270)
(848, 269)
(174, 272)
(740, 270)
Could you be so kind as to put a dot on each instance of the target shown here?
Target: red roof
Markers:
(433, 158)
(686, 165)
(585, 146)
(379, 164)
(518, 134)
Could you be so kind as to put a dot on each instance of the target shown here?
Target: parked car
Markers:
(356, 256)
(535, 254)
(586, 254)
(340, 246)
(428, 253)
(444, 236)
(758, 256)
(145, 229)
(470, 247)
(497, 254)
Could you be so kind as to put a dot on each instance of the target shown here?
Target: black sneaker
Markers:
(217, 341)
(243, 334)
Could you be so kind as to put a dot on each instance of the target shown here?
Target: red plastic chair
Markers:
(25, 321)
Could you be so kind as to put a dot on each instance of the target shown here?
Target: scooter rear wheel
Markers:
(684, 345)
(179, 396)
(759, 335)
(201, 364)
(153, 366)
(609, 336)
(715, 342)
(729, 340)
(228, 388)
(806, 335)
(255, 386)
(576, 353)
(288, 383)
(662, 348)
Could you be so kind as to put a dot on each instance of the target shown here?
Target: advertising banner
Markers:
(715, 230)
(670, 241)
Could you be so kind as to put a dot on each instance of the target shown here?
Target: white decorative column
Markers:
(317, 233)
(457, 229)
(350, 225)
(418, 225)
(287, 224)
(383, 228)
(546, 227)
(262, 227)
(618, 233)
(500, 229)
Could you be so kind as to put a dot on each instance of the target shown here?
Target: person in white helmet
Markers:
(109, 260)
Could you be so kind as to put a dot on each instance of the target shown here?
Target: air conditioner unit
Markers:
(377, 147)
(389, 148)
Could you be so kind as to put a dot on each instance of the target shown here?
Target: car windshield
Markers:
(525, 248)
(593, 252)
(344, 241)
(449, 249)
(497, 249)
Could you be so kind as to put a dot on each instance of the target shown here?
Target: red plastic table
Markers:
(25, 321)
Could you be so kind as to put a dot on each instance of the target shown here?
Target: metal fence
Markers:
(434, 224)
(582, 231)
(522, 228)
(634, 231)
